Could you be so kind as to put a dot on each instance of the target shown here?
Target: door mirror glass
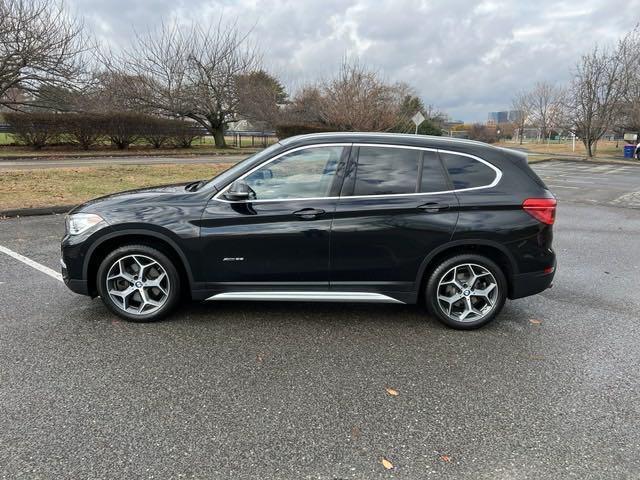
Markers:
(239, 191)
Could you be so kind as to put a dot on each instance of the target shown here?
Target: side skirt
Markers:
(302, 296)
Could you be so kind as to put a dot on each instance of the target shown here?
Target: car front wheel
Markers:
(466, 291)
(138, 283)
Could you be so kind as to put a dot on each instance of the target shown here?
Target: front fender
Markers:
(158, 233)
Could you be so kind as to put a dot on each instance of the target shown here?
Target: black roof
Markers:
(457, 144)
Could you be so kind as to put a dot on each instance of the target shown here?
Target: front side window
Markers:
(386, 171)
(307, 173)
(465, 172)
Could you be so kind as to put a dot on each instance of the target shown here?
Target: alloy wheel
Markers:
(138, 284)
(467, 292)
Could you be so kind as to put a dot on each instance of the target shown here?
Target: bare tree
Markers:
(260, 96)
(629, 115)
(358, 99)
(544, 107)
(305, 108)
(483, 133)
(40, 46)
(521, 104)
(596, 94)
(191, 73)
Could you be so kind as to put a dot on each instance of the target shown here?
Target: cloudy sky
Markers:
(466, 57)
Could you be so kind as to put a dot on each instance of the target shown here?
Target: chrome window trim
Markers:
(496, 180)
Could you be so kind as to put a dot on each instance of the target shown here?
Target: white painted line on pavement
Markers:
(563, 186)
(31, 263)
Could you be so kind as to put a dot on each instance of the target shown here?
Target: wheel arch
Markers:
(109, 242)
(496, 252)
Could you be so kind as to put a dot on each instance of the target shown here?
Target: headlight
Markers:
(80, 222)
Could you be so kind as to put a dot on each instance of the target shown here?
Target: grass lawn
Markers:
(70, 186)
(605, 148)
(6, 138)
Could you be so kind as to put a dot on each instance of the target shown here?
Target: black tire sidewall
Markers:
(157, 255)
(443, 267)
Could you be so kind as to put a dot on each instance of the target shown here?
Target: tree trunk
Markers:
(588, 143)
(218, 137)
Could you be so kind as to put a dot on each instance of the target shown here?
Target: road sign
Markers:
(418, 118)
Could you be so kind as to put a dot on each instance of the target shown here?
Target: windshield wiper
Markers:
(193, 186)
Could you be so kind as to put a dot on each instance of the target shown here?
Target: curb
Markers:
(32, 212)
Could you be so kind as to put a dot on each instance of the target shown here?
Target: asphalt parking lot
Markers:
(295, 390)
(597, 184)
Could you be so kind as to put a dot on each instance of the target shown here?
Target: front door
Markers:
(280, 237)
(396, 207)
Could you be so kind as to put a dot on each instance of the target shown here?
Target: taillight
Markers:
(542, 209)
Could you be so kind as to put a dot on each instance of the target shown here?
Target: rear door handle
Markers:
(433, 207)
(309, 213)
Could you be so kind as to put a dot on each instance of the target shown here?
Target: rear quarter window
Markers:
(465, 172)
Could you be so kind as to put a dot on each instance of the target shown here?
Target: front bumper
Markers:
(75, 285)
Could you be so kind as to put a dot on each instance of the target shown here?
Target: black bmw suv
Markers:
(355, 217)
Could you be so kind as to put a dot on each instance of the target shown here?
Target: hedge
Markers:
(292, 129)
(40, 129)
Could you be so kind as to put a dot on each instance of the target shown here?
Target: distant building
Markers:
(505, 116)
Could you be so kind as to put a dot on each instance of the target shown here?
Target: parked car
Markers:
(354, 217)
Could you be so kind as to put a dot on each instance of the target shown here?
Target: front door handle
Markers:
(433, 207)
(309, 213)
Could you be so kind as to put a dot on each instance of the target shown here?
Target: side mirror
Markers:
(239, 191)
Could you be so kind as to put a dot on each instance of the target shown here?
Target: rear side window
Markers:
(385, 171)
(465, 172)
(432, 175)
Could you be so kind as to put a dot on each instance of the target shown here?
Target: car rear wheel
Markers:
(466, 291)
(138, 283)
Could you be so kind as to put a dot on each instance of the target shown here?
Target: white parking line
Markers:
(31, 263)
(562, 186)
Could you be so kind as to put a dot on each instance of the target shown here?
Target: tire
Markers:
(449, 296)
(149, 276)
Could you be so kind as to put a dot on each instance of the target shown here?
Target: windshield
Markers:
(224, 177)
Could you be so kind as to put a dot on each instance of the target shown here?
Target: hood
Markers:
(133, 198)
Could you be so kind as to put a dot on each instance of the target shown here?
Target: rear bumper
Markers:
(526, 284)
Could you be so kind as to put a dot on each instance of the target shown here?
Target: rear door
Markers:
(396, 206)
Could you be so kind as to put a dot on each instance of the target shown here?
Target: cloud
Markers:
(467, 57)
